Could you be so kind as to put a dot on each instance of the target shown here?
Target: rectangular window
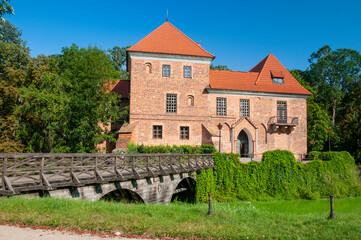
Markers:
(221, 106)
(184, 132)
(277, 80)
(187, 71)
(157, 132)
(171, 103)
(281, 111)
(166, 70)
(244, 108)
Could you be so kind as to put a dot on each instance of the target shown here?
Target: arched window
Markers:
(190, 100)
(148, 67)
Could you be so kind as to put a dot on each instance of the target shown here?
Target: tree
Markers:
(10, 33)
(118, 55)
(13, 68)
(66, 100)
(220, 67)
(317, 119)
(350, 124)
(5, 8)
(329, 73)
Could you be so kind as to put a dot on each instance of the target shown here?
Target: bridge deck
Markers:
(22, 172)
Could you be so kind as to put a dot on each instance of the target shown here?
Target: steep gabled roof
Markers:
(169, 40)
(258, 79)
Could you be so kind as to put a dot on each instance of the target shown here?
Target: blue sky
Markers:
(239, 33)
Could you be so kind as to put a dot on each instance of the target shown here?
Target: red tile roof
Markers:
(277, 74)
(258, 79)
(121, 87)
(168, 39)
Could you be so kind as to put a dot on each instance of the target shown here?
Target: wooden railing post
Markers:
(71, 167)
(41, 171)
(43, 180)
(115, 166)
(5, 163)
(147, 163)
(95, 168)
(189, 163)
(132, 164)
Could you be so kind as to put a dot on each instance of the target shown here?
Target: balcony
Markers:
(288, 125)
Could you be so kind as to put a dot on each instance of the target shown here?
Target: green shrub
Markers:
(207, 148)
(280, 176)
(132, 148)
(314, 155)
(183, 149)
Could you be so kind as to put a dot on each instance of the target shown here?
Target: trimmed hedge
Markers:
(279, 176)
(184, 149)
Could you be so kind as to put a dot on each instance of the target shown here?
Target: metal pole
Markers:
(219, 141)
(209, 204)
(329, 142)
(332, 212)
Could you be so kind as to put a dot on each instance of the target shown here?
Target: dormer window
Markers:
(277, 77)
(277, 81)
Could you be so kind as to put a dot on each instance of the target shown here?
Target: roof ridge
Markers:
(264, 64)
(232, 71)
(189, 39)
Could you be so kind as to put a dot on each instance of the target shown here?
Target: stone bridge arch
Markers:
(185, 190)
(150, 190)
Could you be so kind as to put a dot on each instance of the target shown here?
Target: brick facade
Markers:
(197, 105)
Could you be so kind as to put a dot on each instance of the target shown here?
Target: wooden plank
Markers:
(182, 169)
(180, 190)
(4, 173)
(8, 184)
(6, 193)
(99, 176)
(74, 179)
(45, 181)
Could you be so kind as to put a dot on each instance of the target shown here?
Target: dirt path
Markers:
(19, 233)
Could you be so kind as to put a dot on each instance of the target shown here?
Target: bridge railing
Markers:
(44, 171)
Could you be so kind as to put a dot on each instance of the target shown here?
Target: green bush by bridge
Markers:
(184, 149)
(279, 176)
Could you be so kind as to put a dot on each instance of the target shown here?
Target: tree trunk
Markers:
(334, 102)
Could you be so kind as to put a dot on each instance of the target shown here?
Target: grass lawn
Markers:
(296, 219)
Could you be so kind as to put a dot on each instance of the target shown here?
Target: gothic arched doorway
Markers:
(244, 146)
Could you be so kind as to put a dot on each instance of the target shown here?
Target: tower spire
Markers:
(167, 16)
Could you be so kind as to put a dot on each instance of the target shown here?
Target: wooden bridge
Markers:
(152, 177)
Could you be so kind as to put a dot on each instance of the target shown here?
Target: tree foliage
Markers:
(330, 73)
(334, 76)
(10, 33)
(118, 55)
(13, 70)
(220, 67)
(5, 8)
(317, 118)
(66, 99)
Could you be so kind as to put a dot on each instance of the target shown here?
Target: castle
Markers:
(175, 98)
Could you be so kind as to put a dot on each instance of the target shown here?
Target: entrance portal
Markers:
(243, 146)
